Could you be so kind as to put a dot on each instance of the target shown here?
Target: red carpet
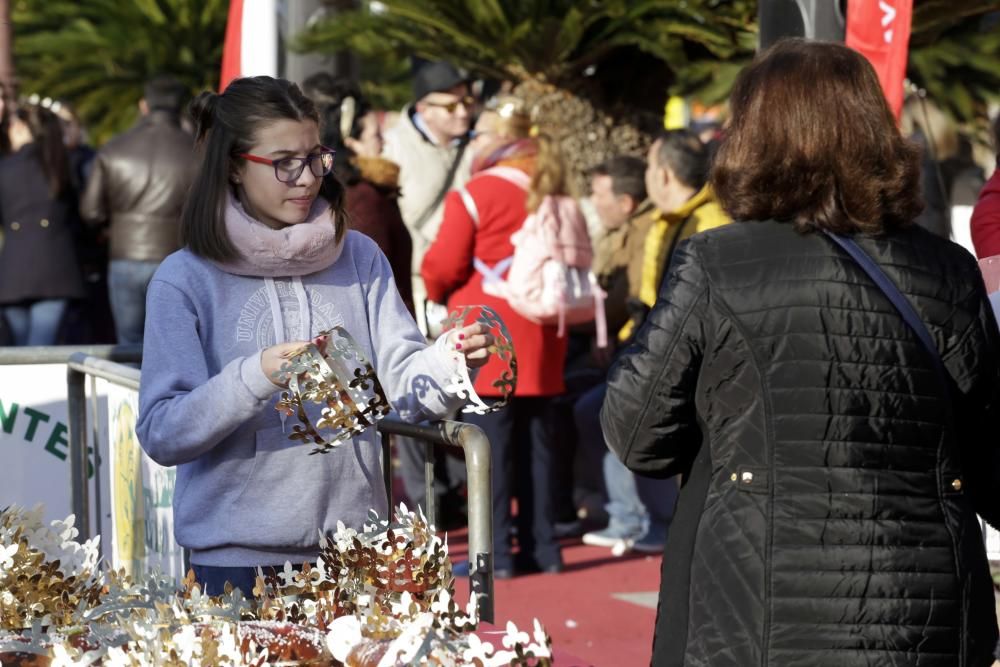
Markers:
(587, 624)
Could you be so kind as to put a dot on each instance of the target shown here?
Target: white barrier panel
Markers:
(34, 442)
(992, 538)
(142, 493)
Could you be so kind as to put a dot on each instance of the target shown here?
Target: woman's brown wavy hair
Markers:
(812, 141)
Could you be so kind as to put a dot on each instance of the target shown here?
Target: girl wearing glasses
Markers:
(267, 264)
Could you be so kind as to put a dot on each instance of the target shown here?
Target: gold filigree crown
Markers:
(342, 380)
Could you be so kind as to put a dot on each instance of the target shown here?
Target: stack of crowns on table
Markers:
(381, 596)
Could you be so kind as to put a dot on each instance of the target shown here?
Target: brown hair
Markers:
(47, 135)
(812, 141)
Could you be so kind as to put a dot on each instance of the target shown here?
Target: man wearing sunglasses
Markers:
(430, 146)
(137, 186)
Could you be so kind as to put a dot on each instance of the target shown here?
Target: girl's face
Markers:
(271, 201)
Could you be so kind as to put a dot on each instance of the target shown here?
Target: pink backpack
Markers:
(548, 280)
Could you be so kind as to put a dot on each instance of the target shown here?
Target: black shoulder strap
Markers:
(901, 303)
(445, 187)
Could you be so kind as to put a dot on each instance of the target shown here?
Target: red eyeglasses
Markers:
(288, 169)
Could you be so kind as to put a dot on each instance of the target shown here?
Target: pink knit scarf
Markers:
(295, 250)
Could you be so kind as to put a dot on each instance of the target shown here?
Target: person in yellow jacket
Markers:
(676, 182)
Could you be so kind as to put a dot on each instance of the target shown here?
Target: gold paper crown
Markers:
(341, 379)
(460, 383)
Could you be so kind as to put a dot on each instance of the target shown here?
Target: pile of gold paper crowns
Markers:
(341, 380)
(380, 596)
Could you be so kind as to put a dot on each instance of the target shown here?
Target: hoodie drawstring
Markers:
(305, 314)
(279, 325)
(278, 321)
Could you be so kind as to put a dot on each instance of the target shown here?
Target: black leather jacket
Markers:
(138, 183)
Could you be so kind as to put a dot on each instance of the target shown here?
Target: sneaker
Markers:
(650, 543)
(608, 537)
(621, 548)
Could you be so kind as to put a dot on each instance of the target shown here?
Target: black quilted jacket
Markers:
(827, 517)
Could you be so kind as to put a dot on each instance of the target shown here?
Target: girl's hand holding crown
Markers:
(474, 341)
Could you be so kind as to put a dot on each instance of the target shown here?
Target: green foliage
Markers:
(955, 56)
(557, 41)
(955, 51)
(97, 54)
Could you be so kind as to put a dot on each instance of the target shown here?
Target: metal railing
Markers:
(479, 483)
(60, 354)
(470, 438)
(78, 367)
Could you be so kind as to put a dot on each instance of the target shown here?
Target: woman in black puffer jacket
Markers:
(828, 514)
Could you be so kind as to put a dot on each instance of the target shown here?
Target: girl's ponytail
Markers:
(549, 177)
(202, 110)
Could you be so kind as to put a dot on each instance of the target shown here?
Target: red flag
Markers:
(251, 45)
(880, 30)
(234, 40)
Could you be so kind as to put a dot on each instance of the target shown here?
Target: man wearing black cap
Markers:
(429, 145)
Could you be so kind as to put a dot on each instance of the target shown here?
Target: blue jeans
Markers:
(37, 323)
(213, 578)
(636, 504)
(127, 283)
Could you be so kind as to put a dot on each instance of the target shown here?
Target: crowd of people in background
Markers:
(441, 192)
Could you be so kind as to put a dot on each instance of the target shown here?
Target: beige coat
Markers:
(423, 167)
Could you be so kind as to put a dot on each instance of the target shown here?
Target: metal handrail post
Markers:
(78, 367)
(387, 468)
(76, 395)
(430, 497)
(480, 489)
(477, 460)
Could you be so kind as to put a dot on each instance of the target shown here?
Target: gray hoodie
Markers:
(245, 494)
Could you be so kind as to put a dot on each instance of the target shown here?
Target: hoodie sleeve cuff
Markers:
(254, 378)
(449, 360)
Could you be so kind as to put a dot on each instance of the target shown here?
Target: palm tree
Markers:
(97, 54)
(594, 67)
(594, 71)
(955, 57)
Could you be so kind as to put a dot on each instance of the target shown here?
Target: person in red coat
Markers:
(986, 219)
(522, 435)
(986, 215)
